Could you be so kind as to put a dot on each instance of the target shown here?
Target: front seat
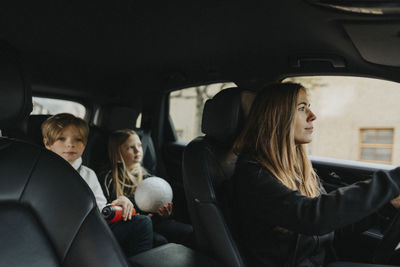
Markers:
(208, 164)
(48, 214)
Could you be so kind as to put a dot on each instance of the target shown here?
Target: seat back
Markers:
(95, 155)
(149, 152)
(34, 128)
(208, 164)
(48, 213)
(29, 129)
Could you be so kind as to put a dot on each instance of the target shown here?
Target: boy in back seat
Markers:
(67, 135)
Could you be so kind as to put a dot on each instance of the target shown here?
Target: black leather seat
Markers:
(33, 128)
(208, 164)
(48, 213)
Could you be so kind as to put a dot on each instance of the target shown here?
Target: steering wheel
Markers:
(390, 242)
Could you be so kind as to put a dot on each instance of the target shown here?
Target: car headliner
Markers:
(106, 48)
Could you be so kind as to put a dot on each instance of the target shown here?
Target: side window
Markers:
(186, 108)
(53, 106)
(139, 121)
(357, 118)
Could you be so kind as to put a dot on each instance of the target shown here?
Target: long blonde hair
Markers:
(268, 138)
(124, 180)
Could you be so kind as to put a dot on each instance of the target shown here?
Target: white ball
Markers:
(152, 193)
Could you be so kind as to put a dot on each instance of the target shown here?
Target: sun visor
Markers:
(377, 43)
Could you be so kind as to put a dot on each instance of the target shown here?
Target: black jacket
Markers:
(281, 227)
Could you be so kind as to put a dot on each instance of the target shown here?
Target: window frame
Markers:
(375, 145)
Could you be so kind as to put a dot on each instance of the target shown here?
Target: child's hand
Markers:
(127, 207)
(165, 211)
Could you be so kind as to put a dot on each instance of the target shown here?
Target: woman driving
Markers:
(292, 218)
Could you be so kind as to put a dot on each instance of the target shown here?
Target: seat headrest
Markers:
(34, 127)
(117, 118)
(223, 116)
(15, 92)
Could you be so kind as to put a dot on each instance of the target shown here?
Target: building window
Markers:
(376, 145)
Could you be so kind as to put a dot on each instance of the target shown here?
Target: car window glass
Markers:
(139, 120)
(186, 108)
(52, 106)
(357, 118)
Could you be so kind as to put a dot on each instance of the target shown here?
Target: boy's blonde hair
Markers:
(54, 125)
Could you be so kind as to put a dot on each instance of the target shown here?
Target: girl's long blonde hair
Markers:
(268, 138)
(125, 181)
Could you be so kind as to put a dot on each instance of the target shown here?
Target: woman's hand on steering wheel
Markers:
(396, 202)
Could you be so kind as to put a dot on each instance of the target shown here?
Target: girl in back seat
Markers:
(126, 154)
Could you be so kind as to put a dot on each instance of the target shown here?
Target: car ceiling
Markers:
(112, 48)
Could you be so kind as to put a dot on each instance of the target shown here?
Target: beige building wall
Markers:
(344, 106)
(183, 114)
